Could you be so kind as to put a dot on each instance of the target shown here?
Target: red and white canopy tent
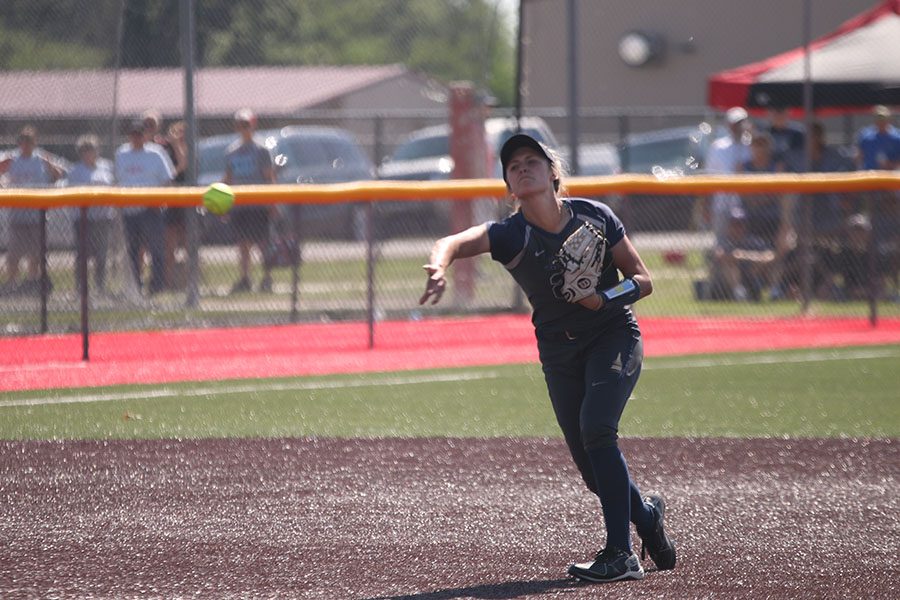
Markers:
(851, 68)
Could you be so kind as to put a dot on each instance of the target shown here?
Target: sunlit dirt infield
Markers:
(437, 518)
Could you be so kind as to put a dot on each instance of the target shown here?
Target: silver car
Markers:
(302, 154)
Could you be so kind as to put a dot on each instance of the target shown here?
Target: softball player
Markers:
(566, 254)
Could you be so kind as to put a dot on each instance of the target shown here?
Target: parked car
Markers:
(595, 159)
(672, 152)
(302, 154)
(676, 150)
(425, 155)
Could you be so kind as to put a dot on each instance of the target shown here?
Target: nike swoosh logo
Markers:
(539, 252)
(596, 383)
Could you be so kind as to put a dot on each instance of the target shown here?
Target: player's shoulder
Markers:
(589, 207)
(511, 227)
(600, 215)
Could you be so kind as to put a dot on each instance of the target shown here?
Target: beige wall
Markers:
(725, 34)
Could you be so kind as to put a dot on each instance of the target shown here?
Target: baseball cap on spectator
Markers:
(735, 115)
(882, 111)
(245, 115)
(86, 142)
(151, 115)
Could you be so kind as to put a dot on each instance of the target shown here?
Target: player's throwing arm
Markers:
(471, 242)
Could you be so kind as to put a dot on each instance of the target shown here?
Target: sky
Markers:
(510, 11)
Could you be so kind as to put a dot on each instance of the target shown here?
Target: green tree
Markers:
(447, 39)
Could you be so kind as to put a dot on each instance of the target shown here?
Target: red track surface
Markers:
(317, 349)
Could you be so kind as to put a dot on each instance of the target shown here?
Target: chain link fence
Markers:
(331, 106)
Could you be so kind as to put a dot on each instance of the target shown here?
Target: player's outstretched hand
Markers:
(436, 284)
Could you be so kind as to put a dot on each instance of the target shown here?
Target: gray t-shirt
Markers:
(248, 163)
(30, 172)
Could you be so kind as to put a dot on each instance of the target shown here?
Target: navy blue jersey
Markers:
(528, 253)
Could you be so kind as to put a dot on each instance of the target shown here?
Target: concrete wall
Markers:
(703, 37)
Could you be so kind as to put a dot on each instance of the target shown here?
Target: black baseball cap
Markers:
(521, 140)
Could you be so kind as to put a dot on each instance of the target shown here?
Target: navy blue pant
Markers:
(590, 379)
(146, 229)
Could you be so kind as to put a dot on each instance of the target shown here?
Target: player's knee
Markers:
(599, 436)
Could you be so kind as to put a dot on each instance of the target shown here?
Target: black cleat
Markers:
(656, 543)
(610, 564)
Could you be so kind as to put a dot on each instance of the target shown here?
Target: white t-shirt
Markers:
(137, 168)
(724, 157)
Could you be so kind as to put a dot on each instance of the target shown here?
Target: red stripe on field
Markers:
(53, 361)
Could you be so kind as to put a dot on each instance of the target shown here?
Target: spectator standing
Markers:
(174, 146)
(248, 162)
(879, 148)
(878, 145)
(787, 136)
(175, 216)
(137, 166)
(91, 170)
(725, 156)
(28, 167)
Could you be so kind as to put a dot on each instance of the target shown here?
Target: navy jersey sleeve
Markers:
(507, 237)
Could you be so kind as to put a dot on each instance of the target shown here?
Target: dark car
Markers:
(302, 154)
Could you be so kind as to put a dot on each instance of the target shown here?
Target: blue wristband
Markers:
(625, 292)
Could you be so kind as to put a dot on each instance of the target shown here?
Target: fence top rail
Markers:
(461, 189)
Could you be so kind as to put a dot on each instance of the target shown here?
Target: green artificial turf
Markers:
(851, 392)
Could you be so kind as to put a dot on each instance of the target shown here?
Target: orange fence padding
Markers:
(380, 191)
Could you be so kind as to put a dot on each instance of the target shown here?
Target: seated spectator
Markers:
(770, 216)
(852, 259)
(825, 213)
(93, 170)
(740, 263)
